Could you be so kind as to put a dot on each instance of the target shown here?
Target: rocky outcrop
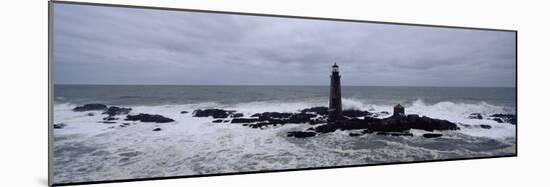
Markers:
(505, 118)
(245, 120)
(277, 118)
(301, 134)
(485, 126)
(391, 124)
(114, 110)
(109, 118)
(59, 125)
(157, 129)
(148, 118)
(475, 116)
(432, 135)
(237, 115)
(90, 107)
(355, 113)
(215, 113)
(398, 125)
(184, 112)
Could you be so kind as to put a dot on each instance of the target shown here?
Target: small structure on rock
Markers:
(398, 110)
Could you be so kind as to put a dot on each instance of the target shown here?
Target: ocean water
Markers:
(86, 150)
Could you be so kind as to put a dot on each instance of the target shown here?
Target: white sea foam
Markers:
(191, 145)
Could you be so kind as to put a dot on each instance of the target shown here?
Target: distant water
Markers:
(87, 150)
(231, 95)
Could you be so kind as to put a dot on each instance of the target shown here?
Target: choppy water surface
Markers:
(86, 150)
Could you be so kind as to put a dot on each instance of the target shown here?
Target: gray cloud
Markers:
(109, 45)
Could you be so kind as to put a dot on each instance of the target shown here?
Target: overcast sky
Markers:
(110, 45)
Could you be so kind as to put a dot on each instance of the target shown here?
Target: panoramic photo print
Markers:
(148, 93)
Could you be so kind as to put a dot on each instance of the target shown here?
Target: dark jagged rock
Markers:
(59, 125)
(430, 124)
(475, 116)
(505, 118)
(91, 114)
(261, 125)
(237, 115)
(321, 110)
(355, 113)
(432, 135)
(124, 124)
(215, 113)
(317, 121)
(398, 125)
(90, 107)
(148, 118)
(391, 124)
(109, 118)
(299, 118)
(245, 120)
(385, 112)
(184, 112)
(157, 129)
(114, 110)
(277, 118)
(301, 134)
(272, 115)
(485, 126)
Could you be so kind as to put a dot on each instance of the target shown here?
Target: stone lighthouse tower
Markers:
(335, 101)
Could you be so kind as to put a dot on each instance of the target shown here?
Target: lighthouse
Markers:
(335, 100)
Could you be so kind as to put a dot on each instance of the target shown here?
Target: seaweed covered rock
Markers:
(148, 118)
(90, 107)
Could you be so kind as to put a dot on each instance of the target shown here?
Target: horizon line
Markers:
(100, 84)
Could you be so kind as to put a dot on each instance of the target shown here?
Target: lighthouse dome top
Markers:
(334, 68)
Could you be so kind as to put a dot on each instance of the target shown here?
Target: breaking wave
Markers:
(86, 150)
